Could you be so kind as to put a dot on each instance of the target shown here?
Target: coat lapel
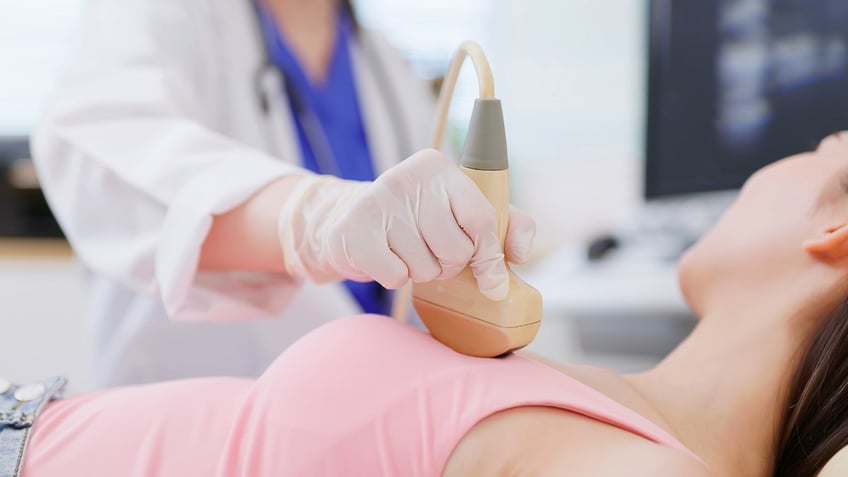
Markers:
(383, 140)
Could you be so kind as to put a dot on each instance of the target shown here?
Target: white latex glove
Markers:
(423, 220)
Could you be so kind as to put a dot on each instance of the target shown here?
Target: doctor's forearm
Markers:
(246, 238)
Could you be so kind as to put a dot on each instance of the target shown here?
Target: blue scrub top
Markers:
(341, 134)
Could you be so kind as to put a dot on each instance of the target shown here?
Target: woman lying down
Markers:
(760, 388)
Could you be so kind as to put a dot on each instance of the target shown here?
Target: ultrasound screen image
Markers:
(737, 84)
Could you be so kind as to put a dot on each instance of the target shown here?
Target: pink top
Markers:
(361, 396)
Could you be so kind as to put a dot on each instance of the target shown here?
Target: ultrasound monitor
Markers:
(736, 84)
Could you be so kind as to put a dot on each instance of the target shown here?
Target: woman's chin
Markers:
(686, 280)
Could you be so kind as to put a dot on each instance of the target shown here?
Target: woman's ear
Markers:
(833, 245)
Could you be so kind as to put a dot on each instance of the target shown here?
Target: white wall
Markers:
(571, 74)
(35, 40)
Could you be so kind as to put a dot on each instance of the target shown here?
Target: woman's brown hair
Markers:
(815, 424)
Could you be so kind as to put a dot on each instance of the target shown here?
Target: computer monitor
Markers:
(736, 84)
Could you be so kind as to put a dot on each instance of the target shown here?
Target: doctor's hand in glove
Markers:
(421, 220)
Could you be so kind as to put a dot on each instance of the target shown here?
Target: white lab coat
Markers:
(155, 127)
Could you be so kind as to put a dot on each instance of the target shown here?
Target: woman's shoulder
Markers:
(611, 385)
(539, 441)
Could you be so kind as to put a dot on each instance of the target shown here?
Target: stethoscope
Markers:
(315, 135)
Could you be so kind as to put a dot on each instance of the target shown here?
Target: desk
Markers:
(35, 248)
(624, 312)
(42, 298)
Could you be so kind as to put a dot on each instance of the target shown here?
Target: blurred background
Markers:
(630, 124)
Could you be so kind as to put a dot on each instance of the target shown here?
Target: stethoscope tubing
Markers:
(316, 137)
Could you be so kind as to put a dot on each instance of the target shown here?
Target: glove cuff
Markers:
(303, 223)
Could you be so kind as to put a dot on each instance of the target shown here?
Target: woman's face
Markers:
(759, 240)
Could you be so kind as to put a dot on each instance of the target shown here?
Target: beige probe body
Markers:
(454, 310)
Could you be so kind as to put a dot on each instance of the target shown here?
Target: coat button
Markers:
(4, 385)
(29, 393)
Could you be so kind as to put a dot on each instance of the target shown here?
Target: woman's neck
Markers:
(722, 392)
(309, 29)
